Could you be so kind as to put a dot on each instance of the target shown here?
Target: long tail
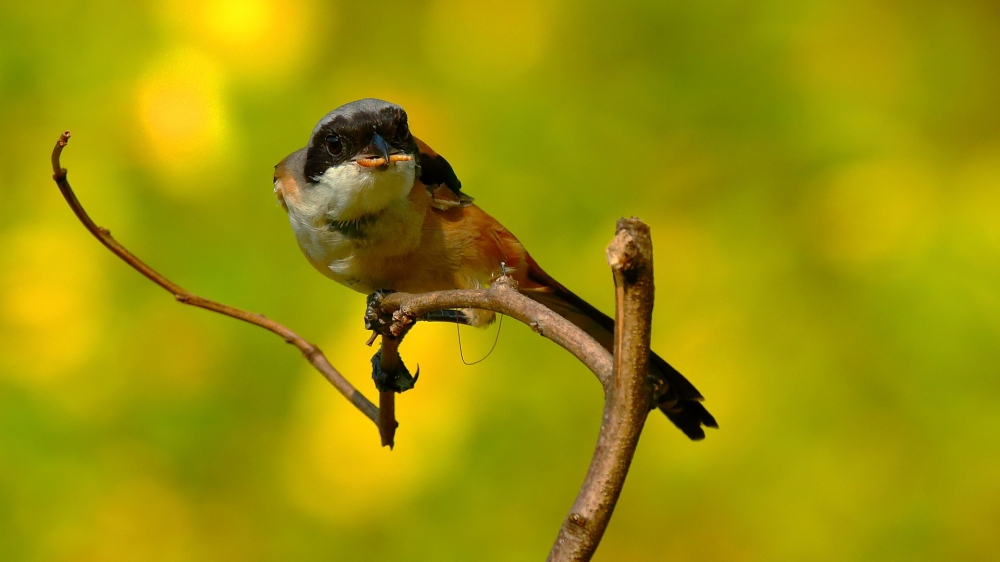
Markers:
(677, 398)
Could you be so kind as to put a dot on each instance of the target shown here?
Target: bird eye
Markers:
(403, 132)
(334, 145)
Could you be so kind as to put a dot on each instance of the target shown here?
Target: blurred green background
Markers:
(822, 180)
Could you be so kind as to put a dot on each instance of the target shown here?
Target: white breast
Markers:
(350, 192)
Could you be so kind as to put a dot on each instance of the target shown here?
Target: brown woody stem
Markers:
(626, 406)
(503, 297)
(389, 362)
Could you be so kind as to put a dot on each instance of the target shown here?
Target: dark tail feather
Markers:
(690, 418)
(681, 401)
(676, 396)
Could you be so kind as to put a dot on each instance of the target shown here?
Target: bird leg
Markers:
(388, 371)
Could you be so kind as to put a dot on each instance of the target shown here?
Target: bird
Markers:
(376, 209)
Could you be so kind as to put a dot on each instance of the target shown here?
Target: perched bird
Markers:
(374, 208)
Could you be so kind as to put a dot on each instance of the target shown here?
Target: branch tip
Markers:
(58, 173)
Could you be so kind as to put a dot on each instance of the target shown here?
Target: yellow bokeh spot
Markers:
(237, 23)
(262, 39)
(180, 106)
(49, 304)
(491, 41)
(337, 470)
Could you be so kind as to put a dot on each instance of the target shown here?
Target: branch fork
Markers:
(628, 395)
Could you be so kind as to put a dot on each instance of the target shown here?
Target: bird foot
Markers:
(398, 381)
(375, 319)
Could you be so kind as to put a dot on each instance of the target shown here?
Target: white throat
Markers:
(353, 191)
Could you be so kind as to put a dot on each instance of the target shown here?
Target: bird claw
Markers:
(375, 319)
(398, 381)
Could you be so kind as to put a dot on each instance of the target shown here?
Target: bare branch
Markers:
(626, 406)
(310, 351)
(389, 362)
(623, 376)
(503, 297)
(387, 423)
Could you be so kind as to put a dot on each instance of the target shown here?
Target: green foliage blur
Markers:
(822, 180)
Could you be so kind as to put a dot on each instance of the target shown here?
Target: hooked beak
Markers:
(379, 147)
(376, 155)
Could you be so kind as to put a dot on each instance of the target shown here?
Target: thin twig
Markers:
(630, 256)
(310, 351)
(387, 423)
(389, 362)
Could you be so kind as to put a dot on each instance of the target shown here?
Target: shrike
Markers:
(374, 208)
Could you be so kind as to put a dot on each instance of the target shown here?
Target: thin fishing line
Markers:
(458, 330)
